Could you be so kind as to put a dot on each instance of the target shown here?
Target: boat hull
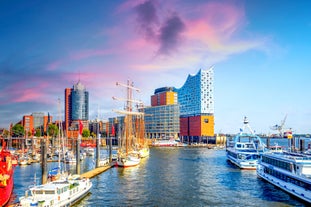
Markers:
(128, 162)
(6, 191)
(290, 188)
(242, 164)
(7, 165)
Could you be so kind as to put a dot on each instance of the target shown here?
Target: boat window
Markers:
(38, 191)
(306, 170)
(238, 145)
(49, 192)
(249, 146)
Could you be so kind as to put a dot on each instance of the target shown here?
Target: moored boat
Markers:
(246, 148)
(7, 165)
(289, 171)
(62, 192)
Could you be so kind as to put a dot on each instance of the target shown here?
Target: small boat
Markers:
(246, 149)
(289, 171)
(276, 148)
(129, 160)
(144, 152)
(7, 163)
(59, 193)
(165, 143)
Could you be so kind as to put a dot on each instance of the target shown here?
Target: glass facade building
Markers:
(162, 121)
(196, 100)
(196, 96)
(79, 102)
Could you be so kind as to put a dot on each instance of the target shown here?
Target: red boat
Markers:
(7, 165)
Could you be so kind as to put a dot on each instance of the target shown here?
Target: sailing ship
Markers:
(7, 165)
(132, 145)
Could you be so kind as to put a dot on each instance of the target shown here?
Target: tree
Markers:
(18, 130)
(86, 133)
(53, 130)
(38, 132)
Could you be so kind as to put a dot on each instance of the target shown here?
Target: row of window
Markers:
(278, 163)
(287, 179)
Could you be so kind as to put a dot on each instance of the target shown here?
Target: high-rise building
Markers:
(196, 100)
(76, 107)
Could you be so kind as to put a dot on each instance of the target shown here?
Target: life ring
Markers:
(58, 197)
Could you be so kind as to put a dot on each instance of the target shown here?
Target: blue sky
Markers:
(260, 51)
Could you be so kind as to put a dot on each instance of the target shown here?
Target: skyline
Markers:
(259, 50)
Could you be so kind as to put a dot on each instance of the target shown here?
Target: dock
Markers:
(96, 171)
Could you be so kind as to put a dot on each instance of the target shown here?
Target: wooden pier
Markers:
(96, 171)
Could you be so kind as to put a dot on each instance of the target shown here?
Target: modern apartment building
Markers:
(196, 100)
(162, 117)
(76, 108)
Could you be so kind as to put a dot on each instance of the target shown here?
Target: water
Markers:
(173, 177)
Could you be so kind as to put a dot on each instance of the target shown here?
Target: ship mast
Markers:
(128, 112)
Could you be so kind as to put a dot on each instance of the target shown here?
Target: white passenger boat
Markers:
(62, 192)
(289, 171)
(246, 149)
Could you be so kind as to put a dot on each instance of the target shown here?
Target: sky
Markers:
(260, 50)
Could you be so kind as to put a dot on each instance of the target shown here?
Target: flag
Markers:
(80, 127)
(113, 131)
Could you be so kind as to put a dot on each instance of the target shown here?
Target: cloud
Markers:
(170, 34)
(147, 19)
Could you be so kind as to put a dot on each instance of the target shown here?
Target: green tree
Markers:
(53, 130)
(86, 133)
(18, 130)
(38, 132)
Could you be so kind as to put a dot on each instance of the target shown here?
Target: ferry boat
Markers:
(246, 149)
(289, 171)
(7, 165)
(59, 193)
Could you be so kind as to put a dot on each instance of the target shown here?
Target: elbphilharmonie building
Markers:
(196, 100)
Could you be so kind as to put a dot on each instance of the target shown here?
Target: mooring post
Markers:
(97, 145)
(44, 144)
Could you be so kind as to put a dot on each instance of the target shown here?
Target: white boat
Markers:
(59, 193)
(289, 171)
(128, 161)
(246, 149)
(164, 143)
(89, 151)
(144, 152)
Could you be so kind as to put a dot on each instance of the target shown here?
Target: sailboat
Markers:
(130, 149)
(143, 147)
(7, 163)
(62, 189)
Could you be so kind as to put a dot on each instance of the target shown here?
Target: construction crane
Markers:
(280, 127)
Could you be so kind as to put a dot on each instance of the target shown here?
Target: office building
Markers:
(76, 108)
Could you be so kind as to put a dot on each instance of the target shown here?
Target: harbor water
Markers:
(172, 177)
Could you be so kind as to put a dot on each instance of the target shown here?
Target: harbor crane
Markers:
(280, 127)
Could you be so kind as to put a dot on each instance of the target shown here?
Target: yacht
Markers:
(289, 171)
(62, 192)
(246, 148)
